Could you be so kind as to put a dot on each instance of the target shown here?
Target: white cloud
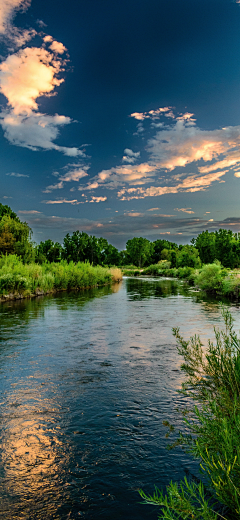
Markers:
(24, 77)
(152, 114)
(185, 210)
(29, 212)
(74, 174)
(61, 201)
(8, 9)
(57, 47)
(98, 199)
(191, 184)
(130, 156)
(17, 174)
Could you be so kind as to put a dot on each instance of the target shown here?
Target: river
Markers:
(87, 379)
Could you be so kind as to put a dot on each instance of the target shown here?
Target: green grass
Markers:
(27, 279)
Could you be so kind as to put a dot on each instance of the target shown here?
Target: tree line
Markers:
(16, 238)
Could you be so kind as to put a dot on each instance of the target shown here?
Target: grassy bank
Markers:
(212, 278)
(24, 280)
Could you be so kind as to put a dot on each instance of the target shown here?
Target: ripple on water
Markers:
(86, 382)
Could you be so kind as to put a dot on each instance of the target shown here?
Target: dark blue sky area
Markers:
(156, 173)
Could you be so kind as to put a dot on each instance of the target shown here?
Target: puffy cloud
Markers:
(24, 76)
(8, 9)
(57, 47)
(98, 199)
(181, 145)
(130, 156)
(153, 114)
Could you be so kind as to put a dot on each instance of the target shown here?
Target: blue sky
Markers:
(121, 119)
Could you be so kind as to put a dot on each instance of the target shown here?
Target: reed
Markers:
(30, 279)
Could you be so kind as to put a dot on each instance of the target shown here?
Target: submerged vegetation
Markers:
(212, 421)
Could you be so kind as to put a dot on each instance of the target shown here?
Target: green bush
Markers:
(212, 429)
(18, 277)
(210, 277)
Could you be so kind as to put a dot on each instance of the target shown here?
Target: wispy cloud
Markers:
(29, 212)
(17, 174)
(171, 149)
(190, 184)
(185, 210)
(62, 201)
(76, 173)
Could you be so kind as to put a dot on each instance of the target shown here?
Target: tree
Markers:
(159, 245)
(205, 243)
(48, 251)
(188, 256)
(140, 250)
(15, 238)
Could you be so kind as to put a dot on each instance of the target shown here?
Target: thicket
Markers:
(27, 279)
(212, 429)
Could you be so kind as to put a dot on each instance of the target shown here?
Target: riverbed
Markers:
(86, 381)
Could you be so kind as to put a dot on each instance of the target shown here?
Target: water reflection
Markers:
(86, 380)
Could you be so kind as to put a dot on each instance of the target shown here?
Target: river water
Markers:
(86, 381)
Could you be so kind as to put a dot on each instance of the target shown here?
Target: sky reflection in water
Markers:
(86, 381)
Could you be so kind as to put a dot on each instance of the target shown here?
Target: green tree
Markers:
(48, 251)
(140, 250)
(188, 256)
(205, 243)
(15, 238)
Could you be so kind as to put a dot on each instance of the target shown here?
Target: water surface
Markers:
(86, 380)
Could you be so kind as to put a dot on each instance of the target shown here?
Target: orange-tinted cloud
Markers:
(24, 77)
(190, 184)
(8, 9)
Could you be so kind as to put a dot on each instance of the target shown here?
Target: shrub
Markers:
(210, 277)
(213, 425)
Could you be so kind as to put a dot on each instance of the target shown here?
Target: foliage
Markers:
(222, 245)
(48, 251)
(140, 250)
(15, 238)
(15, 276)
(213, 428)
(210, 277)
(188, 256)
(7, 211)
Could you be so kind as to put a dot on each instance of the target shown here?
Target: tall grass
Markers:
(16, 277)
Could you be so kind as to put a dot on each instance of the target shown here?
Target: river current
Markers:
(86, 381)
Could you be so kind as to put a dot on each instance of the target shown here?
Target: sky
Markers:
(121, 119)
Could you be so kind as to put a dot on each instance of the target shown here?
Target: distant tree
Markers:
(188, 256)
(140, 250)
(48, 251)
(205, 243)
(158, 246)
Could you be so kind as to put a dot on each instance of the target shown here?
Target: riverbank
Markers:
(18, 280)
(211, 278)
